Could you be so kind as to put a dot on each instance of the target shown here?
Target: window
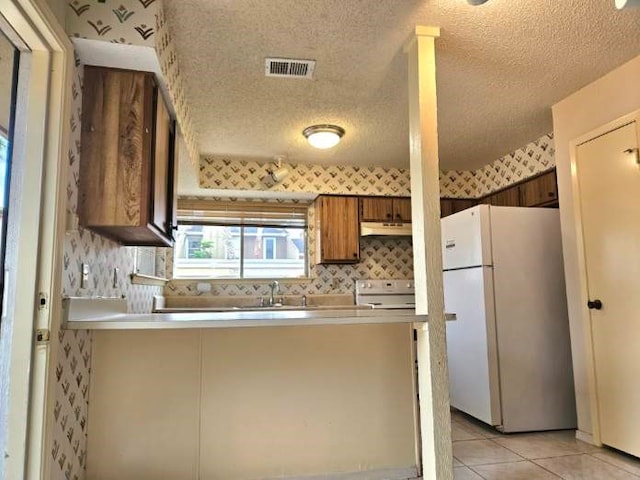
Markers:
(269, 248)
(240, 240)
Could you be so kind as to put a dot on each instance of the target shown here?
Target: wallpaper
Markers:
(121, 21)
(141, 23)
(535, 157)
(74, 361)
(223, 173)
(168, 58)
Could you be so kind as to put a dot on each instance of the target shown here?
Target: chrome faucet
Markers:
(275, 289)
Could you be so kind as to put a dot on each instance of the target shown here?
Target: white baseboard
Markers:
(380, 474)
(585, 437)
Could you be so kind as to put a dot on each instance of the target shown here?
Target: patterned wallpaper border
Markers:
(221, 173)
(532, 159)
(224, 173)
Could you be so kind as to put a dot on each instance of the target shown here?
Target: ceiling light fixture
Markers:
(475, 3)
(620, 4)
(323, 136)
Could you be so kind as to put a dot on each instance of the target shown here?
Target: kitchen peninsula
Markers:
(300, 393)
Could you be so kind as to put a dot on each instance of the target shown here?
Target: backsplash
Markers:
(380, 258)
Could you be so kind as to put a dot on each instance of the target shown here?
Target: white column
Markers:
(435, 419)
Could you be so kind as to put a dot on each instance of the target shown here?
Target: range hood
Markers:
(383, 229)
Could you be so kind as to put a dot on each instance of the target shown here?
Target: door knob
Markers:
(594, 305)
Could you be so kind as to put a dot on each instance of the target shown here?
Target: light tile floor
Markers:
(483, 453)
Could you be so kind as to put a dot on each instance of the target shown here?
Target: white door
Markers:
(471, 343)
(609, 185)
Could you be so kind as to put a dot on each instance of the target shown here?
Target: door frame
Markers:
(582, 264)
(37, 207)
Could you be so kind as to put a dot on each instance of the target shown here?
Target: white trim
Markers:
(379, 474)
(582, 266)
(40, 148)
(587, 438)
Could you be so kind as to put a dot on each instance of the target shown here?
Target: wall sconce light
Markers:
(323, 136)
(620, 4)
(279, 173)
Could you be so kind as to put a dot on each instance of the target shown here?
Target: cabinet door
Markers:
(402, 209)
(506, 198)
(542, 190)
(449, 206)
(116, 142)
(338, 230)
(162, 155)
(376, 209)
(446, 207)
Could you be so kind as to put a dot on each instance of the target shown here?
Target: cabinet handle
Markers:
(146, 130)
(388, 215)
(355, 255)
(551, 194)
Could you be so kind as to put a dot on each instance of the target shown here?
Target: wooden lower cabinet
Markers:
(337, 229)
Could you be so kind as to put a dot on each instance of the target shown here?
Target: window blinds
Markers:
(215, 212)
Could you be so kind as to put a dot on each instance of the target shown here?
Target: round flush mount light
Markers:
(476, 2)
(323, 136)
(620, 4)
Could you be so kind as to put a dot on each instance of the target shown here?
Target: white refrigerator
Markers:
(509, 349)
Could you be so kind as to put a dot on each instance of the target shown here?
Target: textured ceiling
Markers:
(500, 68)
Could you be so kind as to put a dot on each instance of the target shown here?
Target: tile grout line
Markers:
(611, 464)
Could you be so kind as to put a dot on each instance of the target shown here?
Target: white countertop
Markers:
(81, 318)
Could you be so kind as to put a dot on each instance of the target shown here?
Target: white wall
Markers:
(605, 100)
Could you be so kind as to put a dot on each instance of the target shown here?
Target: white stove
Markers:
(387, 294)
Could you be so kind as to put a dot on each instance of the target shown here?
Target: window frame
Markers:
(242, 259)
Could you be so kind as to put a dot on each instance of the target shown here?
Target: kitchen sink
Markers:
(255, 308)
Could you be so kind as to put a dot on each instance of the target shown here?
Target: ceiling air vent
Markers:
(286, 67)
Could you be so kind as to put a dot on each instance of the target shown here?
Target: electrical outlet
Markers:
(335, 283)
(84, 278)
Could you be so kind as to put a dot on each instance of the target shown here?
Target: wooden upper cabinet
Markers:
(385, 209)
(505, 198)
(540, 191)
(402, 210)
(126, 165)
(337, 229)
(449, 206)
(376, 209)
